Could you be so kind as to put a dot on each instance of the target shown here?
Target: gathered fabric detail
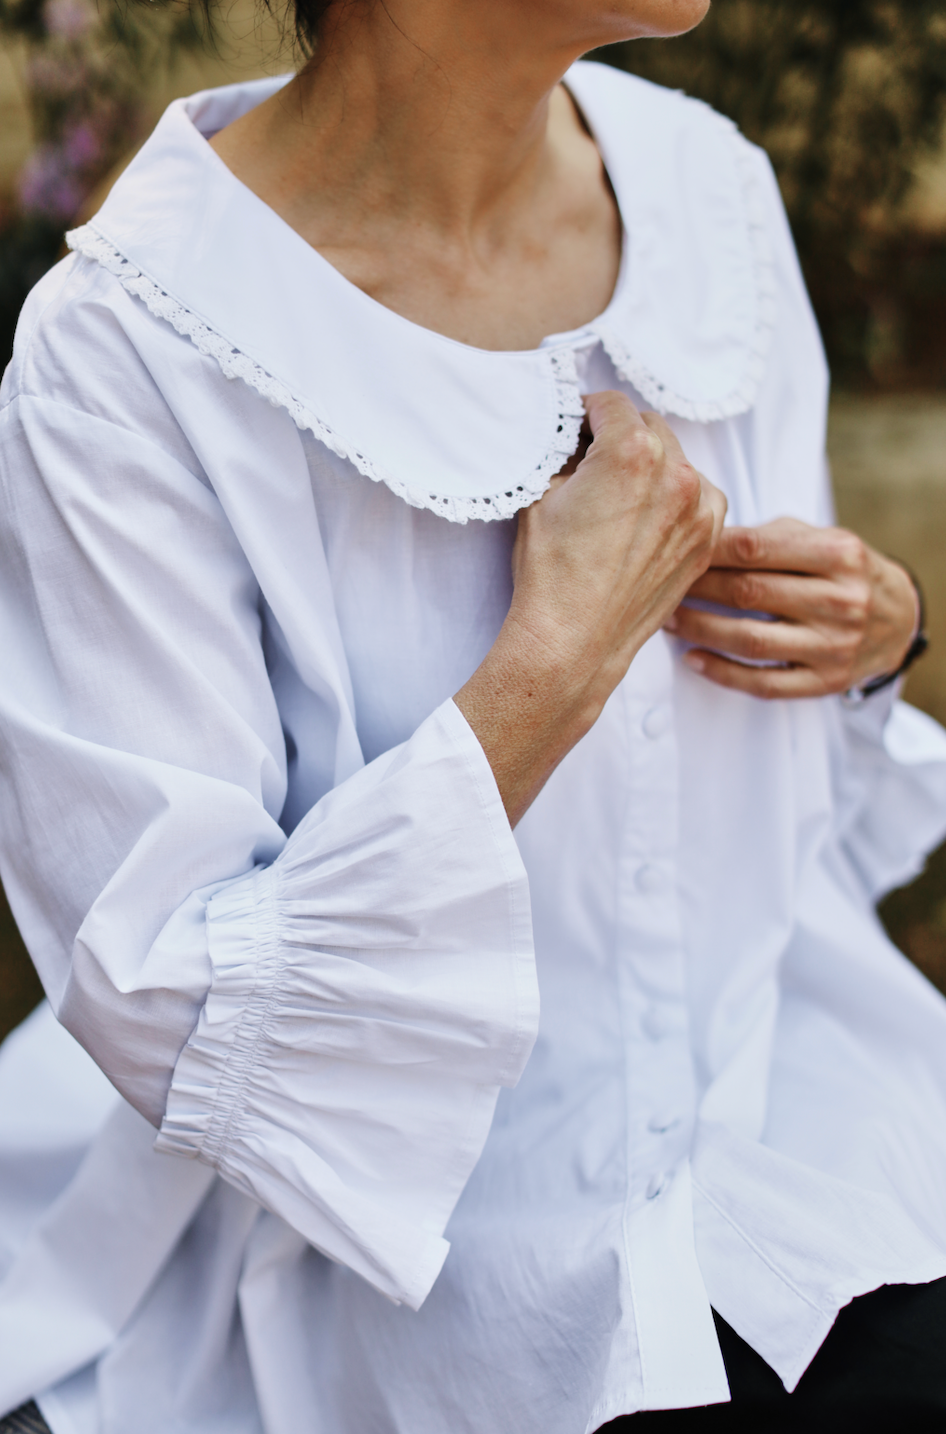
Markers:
(234, 363)
(347, 1060)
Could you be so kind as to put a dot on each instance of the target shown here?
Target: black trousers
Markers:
(882, 1367)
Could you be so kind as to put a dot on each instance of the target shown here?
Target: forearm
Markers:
(527, 705)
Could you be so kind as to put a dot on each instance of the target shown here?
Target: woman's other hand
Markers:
(600, 563)
(844, 613)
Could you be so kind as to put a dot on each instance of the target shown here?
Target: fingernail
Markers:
(672, 623)
(696, 660)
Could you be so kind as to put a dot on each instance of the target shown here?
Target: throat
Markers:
(541, 256)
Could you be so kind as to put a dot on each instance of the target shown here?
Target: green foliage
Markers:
(846, 96)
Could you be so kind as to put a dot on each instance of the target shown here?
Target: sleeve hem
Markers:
(343, 1076)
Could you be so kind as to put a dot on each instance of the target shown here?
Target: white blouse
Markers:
(264, 871)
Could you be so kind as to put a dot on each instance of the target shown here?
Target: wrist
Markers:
(912, 605)
(906, 652)
(529, 702)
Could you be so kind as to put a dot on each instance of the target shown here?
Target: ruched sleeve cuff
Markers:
(372, 990)
(893, 790)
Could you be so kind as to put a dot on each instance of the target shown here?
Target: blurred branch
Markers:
(846, 96)
(88, 70)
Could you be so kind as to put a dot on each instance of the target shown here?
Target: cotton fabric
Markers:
(883, 1366)
(264, 871)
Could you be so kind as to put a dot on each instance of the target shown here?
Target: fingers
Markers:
(714, 498)
(798, 598)
(612, 415)
(718, 503)
(750, 639)
(790, 546)
(769, 683)
(609, 410)
(665, 433)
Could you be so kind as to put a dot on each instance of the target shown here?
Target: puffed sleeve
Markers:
(325, 1019)
(888, 760)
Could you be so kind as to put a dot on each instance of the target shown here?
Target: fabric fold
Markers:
(759, 1270)
(892, 798)
(62, 1302)
(698, 350)
(372, 991)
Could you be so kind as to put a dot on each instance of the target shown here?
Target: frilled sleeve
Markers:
(888, 760)
(889, 764)
(372, 989)
(327, 1019)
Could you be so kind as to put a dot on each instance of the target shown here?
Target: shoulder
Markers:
(86, 345)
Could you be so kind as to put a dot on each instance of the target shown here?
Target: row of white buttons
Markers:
(658, 1023)
(650, 879)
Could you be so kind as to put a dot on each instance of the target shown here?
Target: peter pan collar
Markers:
(462, 431)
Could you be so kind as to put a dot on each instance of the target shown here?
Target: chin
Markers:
(637, 19)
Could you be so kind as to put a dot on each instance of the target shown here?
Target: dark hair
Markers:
(307, 17)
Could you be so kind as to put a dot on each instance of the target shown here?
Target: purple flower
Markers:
(69, 19)
(48, 185)
(53, 75)
(82, 146)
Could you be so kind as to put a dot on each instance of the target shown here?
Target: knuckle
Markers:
(748, 546)
(746, 591)
(689, 491)
(637, 448)
(756, 643)
(854, 605)
(849, 551)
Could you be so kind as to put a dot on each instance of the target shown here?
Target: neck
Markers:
(430, 111)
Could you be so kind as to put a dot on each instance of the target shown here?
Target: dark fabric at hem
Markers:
(882, 1365)
(25, 1420)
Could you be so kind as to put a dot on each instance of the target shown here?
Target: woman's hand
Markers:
(600, 563)
(844, 612)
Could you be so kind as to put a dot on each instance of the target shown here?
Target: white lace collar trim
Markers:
(464, 432)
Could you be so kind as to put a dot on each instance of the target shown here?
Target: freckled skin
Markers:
(430, 152)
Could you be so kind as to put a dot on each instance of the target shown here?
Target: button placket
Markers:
(660, 1087)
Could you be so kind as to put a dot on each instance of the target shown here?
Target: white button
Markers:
(650, 879)
(657, 1023)
(660, 1124)
(656, 722)
(656, 1185)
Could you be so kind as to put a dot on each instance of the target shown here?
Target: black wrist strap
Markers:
(916, 649)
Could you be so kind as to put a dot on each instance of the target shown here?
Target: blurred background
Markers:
(847, 96)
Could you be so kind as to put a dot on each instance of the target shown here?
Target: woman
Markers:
(281, 680)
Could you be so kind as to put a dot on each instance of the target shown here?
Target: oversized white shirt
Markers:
(263, 868)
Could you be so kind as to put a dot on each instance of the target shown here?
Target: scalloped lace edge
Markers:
(235, 364)
(569, 408)
(665, 399)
